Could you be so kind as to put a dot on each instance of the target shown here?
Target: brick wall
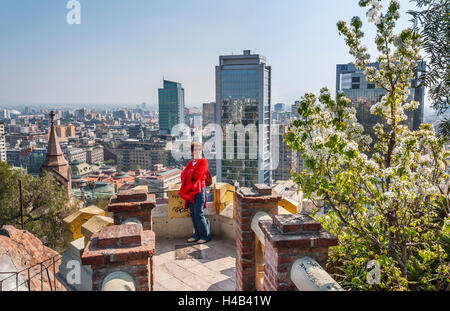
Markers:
(133, 205)
(287, 238)
(247, 203)
(127, 248)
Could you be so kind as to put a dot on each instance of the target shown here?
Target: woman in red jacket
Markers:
(193, 191)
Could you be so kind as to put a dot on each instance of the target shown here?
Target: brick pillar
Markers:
(247, 203)
(126, 248)
(132, 205)
(287, 238)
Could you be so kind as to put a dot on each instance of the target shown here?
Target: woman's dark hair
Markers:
(193, 145)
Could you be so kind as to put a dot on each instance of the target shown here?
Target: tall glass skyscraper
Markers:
(363, 95)
(243, 90)
(171, 106)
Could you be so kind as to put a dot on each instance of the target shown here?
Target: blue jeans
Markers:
(201, 230)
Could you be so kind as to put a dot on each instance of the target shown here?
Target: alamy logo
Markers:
(373, 276)
(230, 142)
(74, 272)
(74, 15)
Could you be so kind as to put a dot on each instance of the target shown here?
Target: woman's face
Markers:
(197, 152)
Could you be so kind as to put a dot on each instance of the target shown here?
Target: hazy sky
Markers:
(122, 49)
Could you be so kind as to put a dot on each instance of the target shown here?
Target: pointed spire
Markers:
(55, 155)
(54, 162)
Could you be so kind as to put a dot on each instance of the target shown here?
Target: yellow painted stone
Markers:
(141, 187)
(288, 205)
(176, 203)
(223, 195)
(72, 223)
(94, 225)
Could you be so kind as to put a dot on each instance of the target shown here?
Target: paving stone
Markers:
(187, 263)
(215, 266)
(171, 283)
(160, 273)
(214, 288)
(197, 283)
(177, 271)
(158, 287)
(183, 288)
(215, 272)
(227, 285)
(208, 274)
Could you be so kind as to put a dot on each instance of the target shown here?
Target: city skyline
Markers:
(116, 55)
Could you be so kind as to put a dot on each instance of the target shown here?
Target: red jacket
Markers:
(193, 180)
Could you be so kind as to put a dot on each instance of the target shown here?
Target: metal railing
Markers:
(41, 267)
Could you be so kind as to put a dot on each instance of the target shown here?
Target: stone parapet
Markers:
(123, 248)
(133, 206)
(287, 238)
(247, 203)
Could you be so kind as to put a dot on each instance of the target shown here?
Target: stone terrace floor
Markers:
(181, 266)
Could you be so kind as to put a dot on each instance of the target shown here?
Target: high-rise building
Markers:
(285, 162)
(132, 154)
(363, 95)
(2, 142)
(243, 101)
(171, 106)
(294, 109)
(208, 113)
(65, 131)
(280, 107)
(5, 114)
(94, 154)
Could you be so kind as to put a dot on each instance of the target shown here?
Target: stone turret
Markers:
(54, 162)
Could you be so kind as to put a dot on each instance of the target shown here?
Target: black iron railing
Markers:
(42, 271)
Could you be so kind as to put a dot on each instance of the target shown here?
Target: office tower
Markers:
(294, 109)
(243, 92)
(364, 94)
(208, 113)
(2, 142)
(171, 106)
(208, 117)
(5, 114)
(136, 132)
(285, 161)
(280, 107)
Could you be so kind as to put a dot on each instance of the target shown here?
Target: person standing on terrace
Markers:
(194, 179)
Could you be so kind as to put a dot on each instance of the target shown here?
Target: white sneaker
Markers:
(201, 241)
(191, 240)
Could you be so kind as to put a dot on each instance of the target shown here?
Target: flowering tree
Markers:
(387, 199)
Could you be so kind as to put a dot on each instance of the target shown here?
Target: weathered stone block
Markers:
(94, 225)
(72, 223)
(119, 236)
